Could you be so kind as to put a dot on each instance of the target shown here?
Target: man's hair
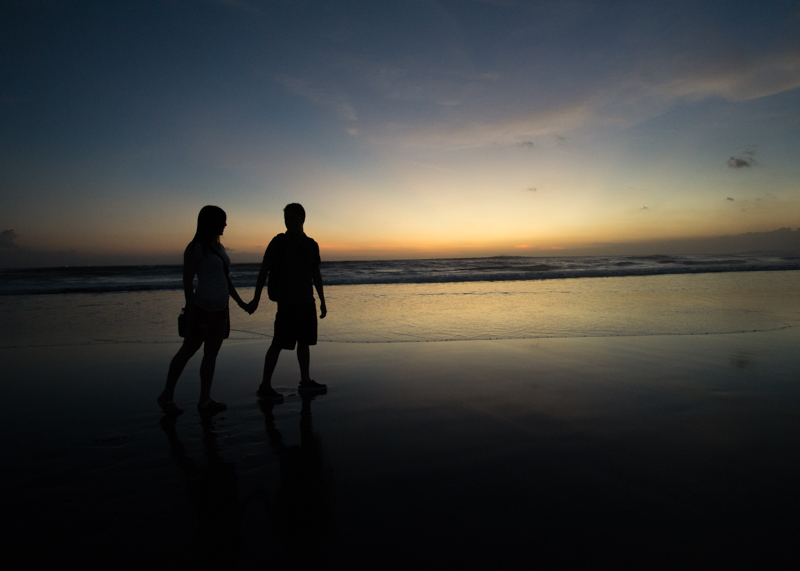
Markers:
(295, 209)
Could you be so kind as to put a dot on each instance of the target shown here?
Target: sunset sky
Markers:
(406, 129)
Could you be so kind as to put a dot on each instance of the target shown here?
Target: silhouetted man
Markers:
(292, 263)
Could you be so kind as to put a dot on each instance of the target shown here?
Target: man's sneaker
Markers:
(269, 394)
(312, 387)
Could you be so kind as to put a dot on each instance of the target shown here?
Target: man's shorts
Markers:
(295, 323)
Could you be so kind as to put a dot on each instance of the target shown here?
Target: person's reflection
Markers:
(214, 492)
(302, 500)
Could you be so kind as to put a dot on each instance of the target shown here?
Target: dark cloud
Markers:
(729, 198)
(12, 255)
(644, 208)
(783, 240)
(7, 239)
(526, 145)
(531, 188)
(739, 163)
(561, 140)
(745, 160)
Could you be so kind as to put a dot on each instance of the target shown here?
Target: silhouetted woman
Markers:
(207, 318)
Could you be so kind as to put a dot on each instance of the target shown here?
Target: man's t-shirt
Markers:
(292, 259)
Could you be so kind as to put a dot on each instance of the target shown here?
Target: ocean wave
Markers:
(95, 288)
(93, 280)
(553, 274)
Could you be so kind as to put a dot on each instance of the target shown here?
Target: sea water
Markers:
(104, 279)
(673, 304)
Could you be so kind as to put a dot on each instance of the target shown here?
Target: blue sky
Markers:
(406, 128)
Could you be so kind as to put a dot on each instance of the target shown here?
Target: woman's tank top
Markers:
(211, 292)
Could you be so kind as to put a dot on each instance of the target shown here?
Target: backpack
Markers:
(274, 275)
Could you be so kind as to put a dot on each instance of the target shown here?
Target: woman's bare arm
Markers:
(235, 295)
(190, 266)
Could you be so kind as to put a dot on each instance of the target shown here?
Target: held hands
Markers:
(251, 307)
(248, 307)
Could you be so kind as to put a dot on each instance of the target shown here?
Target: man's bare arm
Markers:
(262, 279)
(317, 276)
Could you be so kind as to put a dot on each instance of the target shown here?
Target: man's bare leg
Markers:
(304, 359)
(306, 384)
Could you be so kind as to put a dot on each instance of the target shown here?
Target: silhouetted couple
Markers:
(291, 263)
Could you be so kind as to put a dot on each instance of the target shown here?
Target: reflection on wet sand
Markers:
(214, 492)
(302, 500)
(299, 513)
(645, 452)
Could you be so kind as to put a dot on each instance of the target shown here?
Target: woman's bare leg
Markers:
(176, 366)
(207, 367)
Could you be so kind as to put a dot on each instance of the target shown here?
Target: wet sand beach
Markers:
(648, 451)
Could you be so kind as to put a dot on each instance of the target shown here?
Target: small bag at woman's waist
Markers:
(204, 319)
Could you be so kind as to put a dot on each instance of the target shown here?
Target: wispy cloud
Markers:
(479, 113)
(324, 96)
(503, 3)
(447, 100)
(475, 133)
(249, 7)
(765, 76)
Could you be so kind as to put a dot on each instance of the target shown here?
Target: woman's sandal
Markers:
(211, 406)
(169, 407)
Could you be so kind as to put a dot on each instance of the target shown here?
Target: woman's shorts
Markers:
(208, 325)
(295, 323)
